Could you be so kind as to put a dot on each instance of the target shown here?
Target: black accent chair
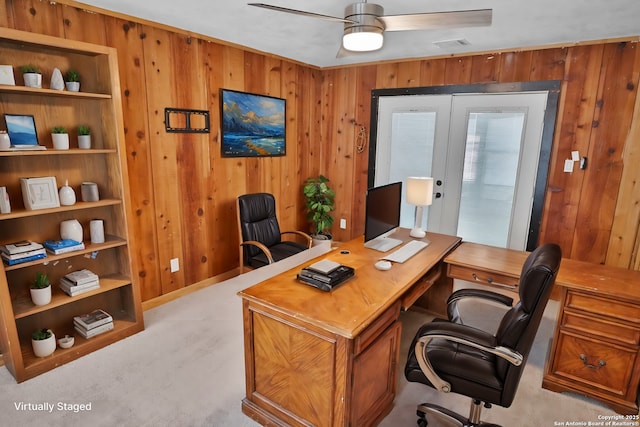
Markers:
(453, 357)
(260, 236)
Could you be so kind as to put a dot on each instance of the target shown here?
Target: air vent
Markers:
(452, 44)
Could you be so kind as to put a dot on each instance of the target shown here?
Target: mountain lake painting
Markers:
(21, 129)
(252, 125)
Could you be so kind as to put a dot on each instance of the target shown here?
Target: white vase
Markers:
(60, 141)
(67, 195)
(32, 80)
(73, 86)
(5, 141)
(84, 141)
(43, 348)
(71, 229)
(41, 296)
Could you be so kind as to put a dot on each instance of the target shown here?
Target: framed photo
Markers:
(21, 129)
(252, 125)
(40, 193)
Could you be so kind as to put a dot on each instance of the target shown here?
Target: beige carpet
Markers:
(187, 369)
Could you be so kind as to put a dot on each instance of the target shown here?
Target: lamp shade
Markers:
(361, 40)
(364, 32)
(419, 190)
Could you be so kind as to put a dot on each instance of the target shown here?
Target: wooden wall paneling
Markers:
(38, 16)
(458, 70)
(291, 203)
(387, 75)
(82, 25)
(126, 38)
(515, 66)
(485, 68)
(573, 131)
(307, 100)
(159, 84)
(409, 74)
(625, 233)
(192, 158)
(366, 78)
(611, 124)
(548, 64)
(432, 72)
(222, 234)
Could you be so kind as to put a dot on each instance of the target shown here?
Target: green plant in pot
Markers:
(320, 202)
(40, 289)
(32, 76)
(43, 342)
(84, 137)
(60, 138)
(72, 80)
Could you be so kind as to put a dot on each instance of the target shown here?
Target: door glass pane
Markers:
(412, 139)
(491, 159)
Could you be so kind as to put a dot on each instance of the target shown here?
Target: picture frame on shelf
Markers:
(252, 125)
(21, 129)
(6, 75)
(40, 193)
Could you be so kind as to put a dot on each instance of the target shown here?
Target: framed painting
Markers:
(252, 125)
(40, 193)
(21, 130)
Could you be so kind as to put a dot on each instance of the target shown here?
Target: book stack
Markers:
(23, 251)
(79, 282)
(325, 275)
(57, 247)
(94, 323)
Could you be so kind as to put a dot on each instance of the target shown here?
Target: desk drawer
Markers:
(607, 307)
(594, 363)
(606, 329)
(486, 278)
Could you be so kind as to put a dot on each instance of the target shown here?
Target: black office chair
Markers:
(453, 357)
(260, 236)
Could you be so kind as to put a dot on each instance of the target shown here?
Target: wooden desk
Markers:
(329, 359)
(596, 344)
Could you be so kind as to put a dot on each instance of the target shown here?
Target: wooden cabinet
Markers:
(97, 105)
(596, 348)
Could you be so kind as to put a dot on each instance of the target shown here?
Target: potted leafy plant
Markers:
(72, 81)
(320, 202)
(32, 75)
(41, 289)
(60, 138)
(43, 342)
(84, 137)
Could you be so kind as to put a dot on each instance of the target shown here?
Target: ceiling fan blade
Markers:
(438, 20)
(302, 12)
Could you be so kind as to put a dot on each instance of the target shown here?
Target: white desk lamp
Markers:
(419, 193)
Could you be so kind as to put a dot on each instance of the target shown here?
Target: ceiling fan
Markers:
(365, 23)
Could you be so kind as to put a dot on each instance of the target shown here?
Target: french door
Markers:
(482, 151)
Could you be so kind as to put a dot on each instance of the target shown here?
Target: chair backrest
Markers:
(520, 324)
(258, 221)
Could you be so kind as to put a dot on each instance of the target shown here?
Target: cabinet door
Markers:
(374, 378)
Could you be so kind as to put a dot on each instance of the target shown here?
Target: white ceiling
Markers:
(516, 24)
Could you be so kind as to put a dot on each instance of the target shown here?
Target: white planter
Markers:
(73, 86)
(41, 296)
(84, 141)
(43, 348)
(60, 141)
(319, 242)
(32, 80)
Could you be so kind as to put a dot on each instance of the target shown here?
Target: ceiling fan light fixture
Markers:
(362, 39)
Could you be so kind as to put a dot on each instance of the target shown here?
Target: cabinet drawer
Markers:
(604, 328)
(612, 308)
(373, 331)
(599, 365)
(472, 275)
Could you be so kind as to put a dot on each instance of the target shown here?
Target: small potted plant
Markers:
(43, 342)
(41, 289)
(32, 75)
(320, 202)
(60, 138)
(72, 81)
(84, 137)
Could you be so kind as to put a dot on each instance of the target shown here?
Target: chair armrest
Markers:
(479, 293)
(302, 234)
(260, 246)
(464, 335)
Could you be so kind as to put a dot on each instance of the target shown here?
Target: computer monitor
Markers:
(382, 216)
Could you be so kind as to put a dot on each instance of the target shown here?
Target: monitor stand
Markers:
(383, 243)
